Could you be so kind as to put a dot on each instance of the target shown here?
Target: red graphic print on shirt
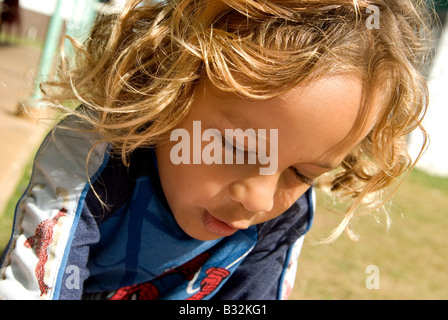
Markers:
(40, 242)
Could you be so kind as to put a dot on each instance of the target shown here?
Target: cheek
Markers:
(172, 177)
(284, 199)
(289, 189)
(187, 185)
(180, 184)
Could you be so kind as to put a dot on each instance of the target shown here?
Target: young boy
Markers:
(186, 172)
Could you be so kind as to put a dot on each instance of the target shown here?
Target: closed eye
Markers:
(231, 147)
(302, 178)
(242, 155)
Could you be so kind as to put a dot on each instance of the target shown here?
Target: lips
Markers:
(216, 226)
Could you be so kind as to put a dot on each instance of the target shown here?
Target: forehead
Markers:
(326, 112)
(311, 119)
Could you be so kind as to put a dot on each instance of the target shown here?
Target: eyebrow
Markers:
(328, 165)
(236, 120)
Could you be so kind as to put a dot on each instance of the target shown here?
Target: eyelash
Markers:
(303, 178)
(235, 150)
(299, 176)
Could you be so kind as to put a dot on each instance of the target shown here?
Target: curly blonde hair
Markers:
(139, 69)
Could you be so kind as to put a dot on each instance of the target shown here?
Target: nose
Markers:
(256, 194)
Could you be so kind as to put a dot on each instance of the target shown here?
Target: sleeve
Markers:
(268, 272)
(47, 254)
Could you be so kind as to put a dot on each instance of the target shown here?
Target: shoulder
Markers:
(70, 158)
(49, 213)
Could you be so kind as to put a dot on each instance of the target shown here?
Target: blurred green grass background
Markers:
(411, 256)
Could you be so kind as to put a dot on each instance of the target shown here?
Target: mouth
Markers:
(216, 226)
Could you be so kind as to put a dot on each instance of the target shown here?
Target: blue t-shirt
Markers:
(67, 245)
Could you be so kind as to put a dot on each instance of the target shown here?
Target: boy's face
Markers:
(210, 201)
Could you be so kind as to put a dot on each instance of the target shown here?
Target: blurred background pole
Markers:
(52, 40)
(79, 23)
